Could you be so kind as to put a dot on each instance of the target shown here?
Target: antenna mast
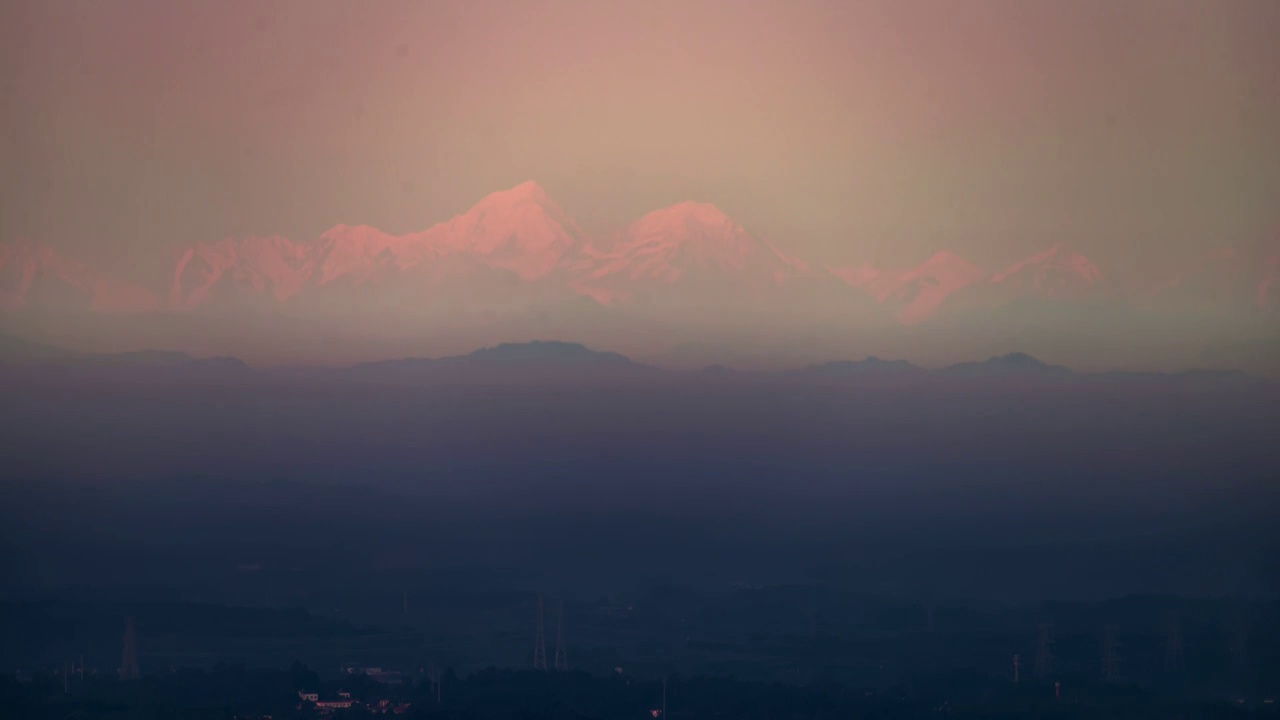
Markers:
(540, 643)
(129, 659)
(562, 661)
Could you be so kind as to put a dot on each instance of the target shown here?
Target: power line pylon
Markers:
(540, 643)
(129, 658)
(562, 661)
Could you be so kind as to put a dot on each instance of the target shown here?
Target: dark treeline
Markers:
(230, 691)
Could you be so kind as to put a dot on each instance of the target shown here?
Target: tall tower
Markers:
(1173, 646)
(540, 643)
(562, 661)
(1044, 658)
(129, 659)
(1017, 667)
(1109, 672)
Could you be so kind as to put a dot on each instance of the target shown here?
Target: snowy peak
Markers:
(262, 267)
(688, 215)
(916, 293)
(516, 250)
(357, 252)
(946, 267)
(35, 275)
(521, 230)
(921, 292)
(1054, 272)
(692, 244)
(857, 276)
(1224, 279)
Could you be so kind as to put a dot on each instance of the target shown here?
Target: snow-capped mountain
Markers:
(947, 281)
(915, 295)
(1058, 272)
(517, 235)
(1224, 280)
(518, 251)
(39, 277)
(271, 268)
(684, 247)
(521, 230)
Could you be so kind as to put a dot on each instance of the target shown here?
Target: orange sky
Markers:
(845, 130)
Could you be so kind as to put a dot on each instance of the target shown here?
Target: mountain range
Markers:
(554, 363)
(516, 257)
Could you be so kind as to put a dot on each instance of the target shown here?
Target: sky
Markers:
(1140, 132)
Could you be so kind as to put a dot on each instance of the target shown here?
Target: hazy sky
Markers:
(843, 129)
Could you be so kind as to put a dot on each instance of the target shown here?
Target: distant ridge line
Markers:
(16, 352)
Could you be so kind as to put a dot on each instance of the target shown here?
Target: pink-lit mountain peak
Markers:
(698, 234)
(521, 229)
(1056, 268)
(691, 244)
(356, 251)
(949, 261)
(944, 269)
(525, 207)
(528, 191)
(28, 268)
(255, 265)
(697, 227)
(920, 291)
(686, 214)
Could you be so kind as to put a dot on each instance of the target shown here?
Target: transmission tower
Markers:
(562, 661)
(1017, 666)
(540, 643)
(129, 658)
(1109, 672)
(1173, 646)
(1044, 657)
